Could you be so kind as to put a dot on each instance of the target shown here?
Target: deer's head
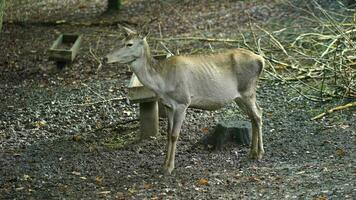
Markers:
(132, 49)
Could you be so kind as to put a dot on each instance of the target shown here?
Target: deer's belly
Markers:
(209, 104)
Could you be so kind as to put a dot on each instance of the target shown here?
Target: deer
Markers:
(203, 81)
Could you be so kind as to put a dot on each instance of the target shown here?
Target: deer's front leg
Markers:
(178, 117)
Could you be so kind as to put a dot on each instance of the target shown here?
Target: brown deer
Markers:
(198, 81)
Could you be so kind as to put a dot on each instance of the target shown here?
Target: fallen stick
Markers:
(198, 38)
(337, 108)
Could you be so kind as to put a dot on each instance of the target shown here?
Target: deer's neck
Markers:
(145, 71)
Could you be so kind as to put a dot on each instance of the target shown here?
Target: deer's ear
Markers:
(129, 31)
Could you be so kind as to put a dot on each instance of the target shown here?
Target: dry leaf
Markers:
(40, 124)
(254, 178)
(340, 152)
(147, 186)
(132, 190)
(77, 138)
(203, 181)
(205, 130)
(321, 198)
(99, 179)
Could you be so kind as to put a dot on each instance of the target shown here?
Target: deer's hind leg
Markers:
(249, 105)
(170, 114)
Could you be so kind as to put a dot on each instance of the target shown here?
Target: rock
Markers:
(230, 130)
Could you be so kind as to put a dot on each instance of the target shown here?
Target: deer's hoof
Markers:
(167, 170)
(254, 155)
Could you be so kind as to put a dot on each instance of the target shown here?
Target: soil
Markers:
(60, 140)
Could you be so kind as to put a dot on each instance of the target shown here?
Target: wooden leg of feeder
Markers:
(61, 64)
(148, 119)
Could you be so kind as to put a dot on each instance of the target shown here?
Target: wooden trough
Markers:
(64, 49)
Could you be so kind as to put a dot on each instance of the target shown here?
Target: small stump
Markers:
(64, 49)
(230, 130)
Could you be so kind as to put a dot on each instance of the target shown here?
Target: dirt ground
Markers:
(54, 144)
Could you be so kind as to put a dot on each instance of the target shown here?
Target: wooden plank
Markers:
(58, 52)
(138, 93)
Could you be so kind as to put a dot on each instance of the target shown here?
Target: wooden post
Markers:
(2, 10)
(148, 119)
(148, 107)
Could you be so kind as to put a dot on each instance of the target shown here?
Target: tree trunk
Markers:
(2, 9)
(114, 4)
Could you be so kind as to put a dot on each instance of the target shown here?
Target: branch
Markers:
(197, 38)
(337, 108)
(70, 23)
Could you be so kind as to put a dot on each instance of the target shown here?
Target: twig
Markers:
(70, 23)
(84, 134)
(83, 84)
(97, 59)
(274, 40)
(337, 108)
(164, 46)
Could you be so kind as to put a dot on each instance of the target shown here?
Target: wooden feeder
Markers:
(64, 49)
(148, 107)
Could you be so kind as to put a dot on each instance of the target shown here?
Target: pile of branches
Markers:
(324, 55)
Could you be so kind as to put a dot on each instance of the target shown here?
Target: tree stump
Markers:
(230, 130)
(114, 5)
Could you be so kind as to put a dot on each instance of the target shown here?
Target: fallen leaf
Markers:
(321, 198)
(254, 179)
(99, 179)
(132, 190)
(203, 181)
(340, 152)
(269, 114)
(77, 138)
(205, 130)
(26, 177)
(147, 186)
(344, 126)
(40, 124)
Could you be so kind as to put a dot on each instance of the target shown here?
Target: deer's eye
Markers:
(129, 44)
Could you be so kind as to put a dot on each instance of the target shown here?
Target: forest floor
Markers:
(57, 141)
